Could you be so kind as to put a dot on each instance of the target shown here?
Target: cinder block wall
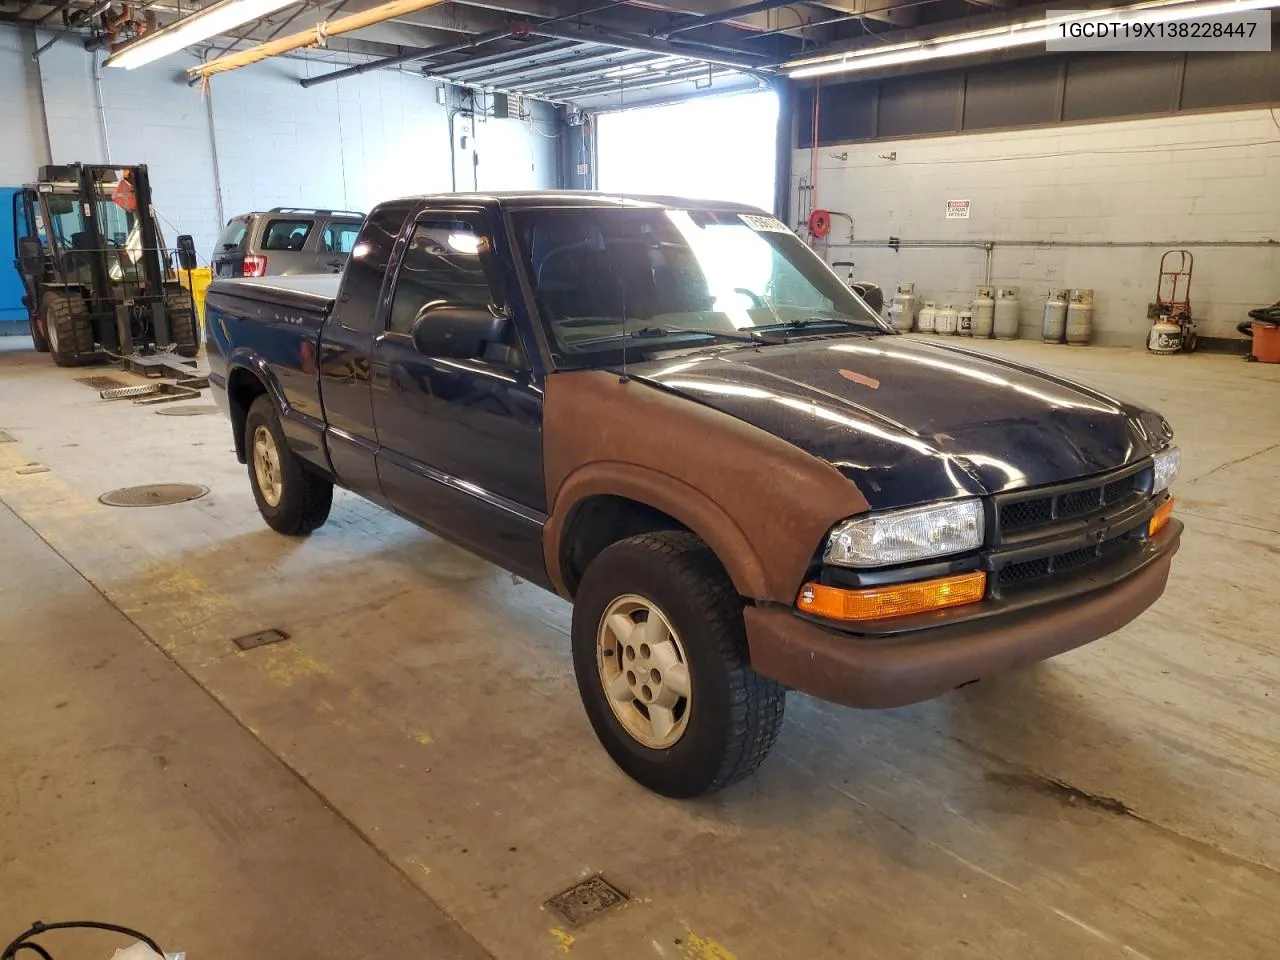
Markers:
(1166, 181)
(349, 144)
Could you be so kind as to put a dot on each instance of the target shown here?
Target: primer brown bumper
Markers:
(879, 672)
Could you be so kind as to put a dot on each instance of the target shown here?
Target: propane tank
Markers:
(1055, 317)
(1080, 317)
(902, 311)
(1006, 313)
(926, 319)
(946, 321)
(964, 322)
(1165, 337)
(984, 312)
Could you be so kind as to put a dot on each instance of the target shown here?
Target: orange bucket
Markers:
(1266, 342)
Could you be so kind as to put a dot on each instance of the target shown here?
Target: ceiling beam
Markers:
(429, 54)
(544, 72)
(746, 10)
(462, 70)
(625, 41)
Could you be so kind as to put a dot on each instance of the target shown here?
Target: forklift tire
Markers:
(37, 335)
(184, 326)
(291, 498)
(67, 327)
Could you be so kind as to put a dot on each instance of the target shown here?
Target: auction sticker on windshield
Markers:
(758, 222)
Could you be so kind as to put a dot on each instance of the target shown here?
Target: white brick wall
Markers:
(1185, 178)
(348, 144)
(20, 117)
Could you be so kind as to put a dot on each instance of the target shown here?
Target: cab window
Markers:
(445, 263)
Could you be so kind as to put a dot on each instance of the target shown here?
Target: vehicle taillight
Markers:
(255, 265)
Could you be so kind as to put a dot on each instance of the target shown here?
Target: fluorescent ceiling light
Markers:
(1004, 38)
(212, 21)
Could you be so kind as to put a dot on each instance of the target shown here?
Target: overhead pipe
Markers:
(313, 37)
(509, 58)
(538, 73)
(429, 53)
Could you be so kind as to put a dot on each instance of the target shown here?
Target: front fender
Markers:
(762, 504)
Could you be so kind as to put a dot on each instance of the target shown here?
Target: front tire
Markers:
(292, 499)
(67, 329)
(659, 651)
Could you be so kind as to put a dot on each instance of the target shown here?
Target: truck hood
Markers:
(912, 421)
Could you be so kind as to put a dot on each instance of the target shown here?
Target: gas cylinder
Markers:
(1055, 317)
(902, 311)
(984, 312)
(964, 322)
(927, 318)
(1080, 317)
(1165, 337)
(1006, 313)
(946, 320)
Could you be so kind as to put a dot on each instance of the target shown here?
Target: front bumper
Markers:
(889, 671)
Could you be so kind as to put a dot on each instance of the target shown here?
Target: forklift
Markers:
(98, 282)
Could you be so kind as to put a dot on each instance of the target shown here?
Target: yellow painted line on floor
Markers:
(563, 938)
(695, 947)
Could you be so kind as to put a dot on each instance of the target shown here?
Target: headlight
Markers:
(1168, 462)
(905, 535)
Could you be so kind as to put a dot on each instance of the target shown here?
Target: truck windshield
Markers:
(604, 274)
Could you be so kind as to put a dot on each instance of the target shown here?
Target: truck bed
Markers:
(313, 293)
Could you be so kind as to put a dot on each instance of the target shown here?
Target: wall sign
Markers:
(957, 209)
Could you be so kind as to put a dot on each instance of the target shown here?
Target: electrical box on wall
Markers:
(501, 106)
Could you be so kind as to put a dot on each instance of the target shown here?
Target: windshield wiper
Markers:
(819, 322)
(741, 336)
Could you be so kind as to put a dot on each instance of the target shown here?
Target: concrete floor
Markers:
(411, 773)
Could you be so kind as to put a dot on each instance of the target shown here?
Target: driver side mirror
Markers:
(31, 256)
(462, 333)
(186, 252)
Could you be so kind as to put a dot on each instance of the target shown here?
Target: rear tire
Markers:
(67, 328)
(38, 339)
(292, 499)
(184, 324)
(721, 730)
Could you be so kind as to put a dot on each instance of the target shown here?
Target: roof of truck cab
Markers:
(542, 199)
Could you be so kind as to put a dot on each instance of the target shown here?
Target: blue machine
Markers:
(13, 315)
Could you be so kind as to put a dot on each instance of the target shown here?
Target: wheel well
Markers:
(243, 387)
(600, 521)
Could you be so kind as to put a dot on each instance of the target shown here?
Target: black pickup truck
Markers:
(677, 416)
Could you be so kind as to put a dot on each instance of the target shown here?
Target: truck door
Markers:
(459, 440)
(346, 351)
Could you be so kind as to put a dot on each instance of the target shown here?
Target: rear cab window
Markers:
(286, 234)
(340, 236)
(232, 235)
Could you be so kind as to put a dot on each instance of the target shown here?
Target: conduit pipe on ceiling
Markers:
(312, 37)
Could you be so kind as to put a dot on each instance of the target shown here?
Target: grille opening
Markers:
(1026, 571)
(1023, 515)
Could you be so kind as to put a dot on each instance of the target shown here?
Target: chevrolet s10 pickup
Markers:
(676, 416)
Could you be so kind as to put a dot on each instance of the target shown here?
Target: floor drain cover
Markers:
(102, 383)
(153, 495)
(187, 411)
(6, 436)
(586, 900)
(261, 639)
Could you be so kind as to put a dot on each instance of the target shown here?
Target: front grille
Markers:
(1073, 501)
(1026, 572)
(1065, 529)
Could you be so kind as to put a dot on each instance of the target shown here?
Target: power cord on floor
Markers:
(24, 942)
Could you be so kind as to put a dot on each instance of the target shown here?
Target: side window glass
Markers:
(444, 264)
(286, 234)
(340, 237)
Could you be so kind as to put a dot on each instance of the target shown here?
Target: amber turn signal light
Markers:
(893, 600)
(1160, 517)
